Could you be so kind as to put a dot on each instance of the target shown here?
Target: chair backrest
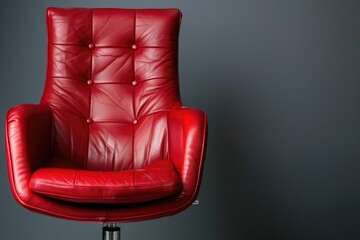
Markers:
(112, 77)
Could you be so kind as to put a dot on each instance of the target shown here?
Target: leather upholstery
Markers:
(110, 127)
(154, 181)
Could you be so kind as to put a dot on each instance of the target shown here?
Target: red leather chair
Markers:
(110, 141)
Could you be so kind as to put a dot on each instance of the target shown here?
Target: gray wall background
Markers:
(280, 81)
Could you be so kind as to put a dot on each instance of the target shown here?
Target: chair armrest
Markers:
(28, 142)
(187, 143)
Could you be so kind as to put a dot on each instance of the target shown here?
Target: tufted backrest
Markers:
(112, 77)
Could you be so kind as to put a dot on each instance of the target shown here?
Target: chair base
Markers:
(111, 231)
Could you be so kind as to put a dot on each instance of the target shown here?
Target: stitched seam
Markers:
(133, 95)
(51, 184)
(90, 76)
(108, 46)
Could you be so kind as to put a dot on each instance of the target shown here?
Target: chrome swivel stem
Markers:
(111, 231)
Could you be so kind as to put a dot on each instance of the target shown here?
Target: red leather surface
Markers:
(154, 181)
(95, 75)
(111, 103)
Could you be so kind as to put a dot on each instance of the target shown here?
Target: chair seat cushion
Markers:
(155, 181)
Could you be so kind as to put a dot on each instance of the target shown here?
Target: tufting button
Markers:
(134, 46)
(89, 120)
(91, 46)
(134, 83)
(135, 121)
(90, 82)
